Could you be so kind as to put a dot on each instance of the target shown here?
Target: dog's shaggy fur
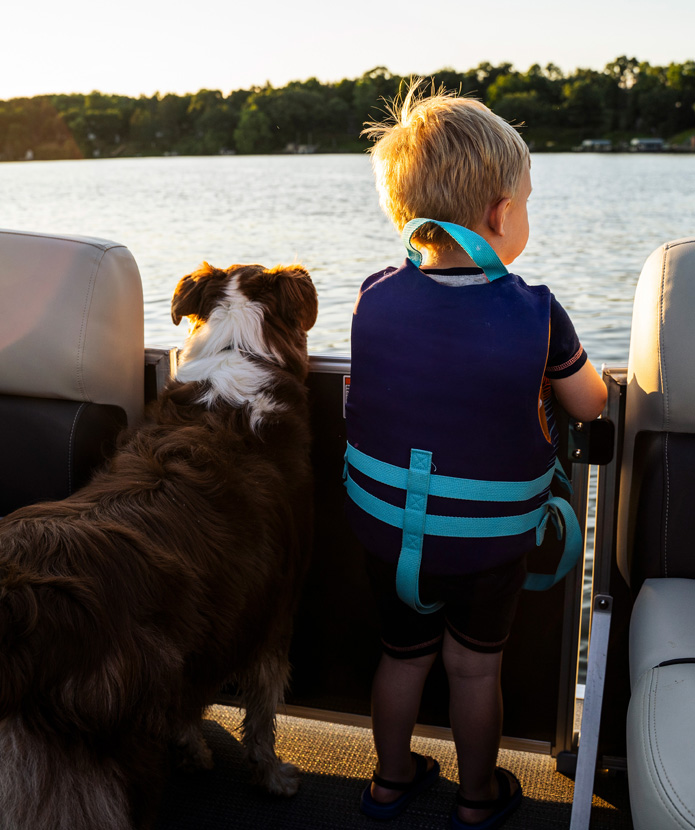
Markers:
(125, 607)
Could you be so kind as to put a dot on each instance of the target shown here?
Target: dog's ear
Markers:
(296, 295)
(197, 293)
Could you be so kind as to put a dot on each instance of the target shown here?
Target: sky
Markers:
(139, 47)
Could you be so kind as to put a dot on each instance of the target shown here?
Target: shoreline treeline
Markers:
(628, 98)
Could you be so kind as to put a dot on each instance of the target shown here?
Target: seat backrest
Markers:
(656, 517)
(73, 320)
(71, 359)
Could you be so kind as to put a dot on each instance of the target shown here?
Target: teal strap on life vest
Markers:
(475, 527)
(415, 522)
(561, 476)
(448, 487)
(414, 518)
(472, 243)
(557, 509)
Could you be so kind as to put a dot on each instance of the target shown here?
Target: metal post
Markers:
(591, 716)
(571, 621)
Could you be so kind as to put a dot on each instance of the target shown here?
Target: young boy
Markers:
(452, 365)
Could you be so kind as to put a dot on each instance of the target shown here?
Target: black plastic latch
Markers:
(591, 442)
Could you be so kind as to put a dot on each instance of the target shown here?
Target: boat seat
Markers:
(661, 715)
(656, 540)
(71, 360)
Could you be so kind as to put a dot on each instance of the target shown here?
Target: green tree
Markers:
(486, 75)
(588, 101)
(172, 119)
(654, 101)
(627, 96)
(253, 135)
(212, 123)
(624, 71)
(532, 97)
(372, 92)
(143, 129)
(681, 78)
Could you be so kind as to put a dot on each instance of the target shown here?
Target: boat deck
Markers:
(336, 761)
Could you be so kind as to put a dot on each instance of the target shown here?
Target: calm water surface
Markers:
(594, 220)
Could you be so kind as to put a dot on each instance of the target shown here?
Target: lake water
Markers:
(594, 220)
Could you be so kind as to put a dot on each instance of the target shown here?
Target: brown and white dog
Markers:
(125, 607)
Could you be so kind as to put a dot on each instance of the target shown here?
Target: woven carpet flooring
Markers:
(336, 762)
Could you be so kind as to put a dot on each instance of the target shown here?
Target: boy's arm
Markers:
(582, 394)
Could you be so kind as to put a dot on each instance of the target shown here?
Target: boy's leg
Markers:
(396, 694)
(411, 642)
(475, 712)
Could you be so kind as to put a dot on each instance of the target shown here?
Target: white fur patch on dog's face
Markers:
(216, 353)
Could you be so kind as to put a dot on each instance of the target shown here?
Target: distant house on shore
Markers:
(647, 145)
(300, 149)
(596, 145)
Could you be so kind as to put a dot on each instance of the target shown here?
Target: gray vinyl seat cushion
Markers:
(661, 715)
(656, 525)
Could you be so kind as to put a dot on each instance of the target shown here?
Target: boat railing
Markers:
(335, 647)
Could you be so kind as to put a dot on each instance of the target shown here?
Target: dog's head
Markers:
(265, 313)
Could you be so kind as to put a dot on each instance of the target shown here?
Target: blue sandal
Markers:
(504, 805)
(423, 779)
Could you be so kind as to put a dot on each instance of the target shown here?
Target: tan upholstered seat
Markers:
(71, 360)
(73, 320)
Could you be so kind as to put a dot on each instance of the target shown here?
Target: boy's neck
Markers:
(445, 258)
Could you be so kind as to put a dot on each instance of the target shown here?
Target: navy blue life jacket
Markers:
(449, 448)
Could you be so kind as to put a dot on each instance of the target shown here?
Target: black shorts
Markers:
(478, 609)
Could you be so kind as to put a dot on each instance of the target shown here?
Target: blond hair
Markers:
(443, 157)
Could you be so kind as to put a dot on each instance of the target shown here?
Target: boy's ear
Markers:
(497, 214)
